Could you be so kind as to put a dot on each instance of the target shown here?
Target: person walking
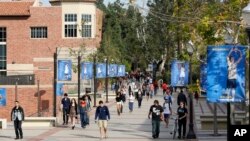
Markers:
(164, 88)
(17, 115)
(157, 116)
(123, 99)
(167, 111)
(147, 91)
(182, 98)
(84, 108)
(65, 107)
(196, 96)
(118, 103)
(140, 97)
(102, 115)
(131, 100)
(182, 120)
(73, 112)
(151, 90)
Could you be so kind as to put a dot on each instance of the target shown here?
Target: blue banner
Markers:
(2, 97)
(112, 72)
(87, 70)
(203, 77)
(64, 70)
(121, 70)
(59, 89)
(226, 73)
(179, 73)
(101, 70)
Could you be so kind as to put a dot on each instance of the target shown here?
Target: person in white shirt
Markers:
(232, 72)
(167, 111)
(131, 100)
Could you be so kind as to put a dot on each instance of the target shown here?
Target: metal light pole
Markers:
(95, 81)
(246, 19)
(38, 98)
(78, 77)
(16, 96)
(191, 133)
(107, 80)
(55, 82)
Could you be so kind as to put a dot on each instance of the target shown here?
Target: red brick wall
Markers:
(28, 100)
(22, 49)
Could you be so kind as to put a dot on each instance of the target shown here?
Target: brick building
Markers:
(30, 34)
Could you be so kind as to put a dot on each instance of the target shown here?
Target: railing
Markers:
(18, 79)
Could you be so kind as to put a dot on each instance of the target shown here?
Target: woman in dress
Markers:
(73, 112)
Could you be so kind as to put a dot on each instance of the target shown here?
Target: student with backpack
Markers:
(167, 111)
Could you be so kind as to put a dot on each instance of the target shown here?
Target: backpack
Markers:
(168, 99)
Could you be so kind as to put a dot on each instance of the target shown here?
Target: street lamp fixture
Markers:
(191, 133)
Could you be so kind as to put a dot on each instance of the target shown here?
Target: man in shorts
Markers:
(102, 115)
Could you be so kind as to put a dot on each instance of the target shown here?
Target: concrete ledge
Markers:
(3, 123)
(40, 122)
(207, 122)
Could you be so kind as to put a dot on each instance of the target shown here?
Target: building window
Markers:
(2, 34)
(2, 59)
(70, 17)
(3, 51)
(39, 32)
(86, 26)
(70, 25)
(86, 31)
(86, 18)
(70, 30)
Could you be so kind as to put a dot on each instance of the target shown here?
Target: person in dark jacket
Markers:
(17, 115)
(182, 120)
(102, 114)
(65, 107)
(182, 97)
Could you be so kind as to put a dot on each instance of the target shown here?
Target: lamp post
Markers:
(95, 81)
(78, 77)
(246, 19)
(191, 133)
(16, 96)
(55, 83)
(107, 80)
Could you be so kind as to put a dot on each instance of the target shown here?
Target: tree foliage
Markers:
(163, 34)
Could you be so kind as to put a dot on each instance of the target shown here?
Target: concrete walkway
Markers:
(133, 126)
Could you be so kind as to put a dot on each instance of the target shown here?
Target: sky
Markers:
(139, 2)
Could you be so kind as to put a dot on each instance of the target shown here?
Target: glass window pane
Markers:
(39, 32)
(2, 34)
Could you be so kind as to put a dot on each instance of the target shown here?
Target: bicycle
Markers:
(175, 127)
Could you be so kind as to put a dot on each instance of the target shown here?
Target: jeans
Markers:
(156, 128)
(65, 115)
(84, 119)
(18, 128)
(139, 102)
(182, 123)
(130, 105)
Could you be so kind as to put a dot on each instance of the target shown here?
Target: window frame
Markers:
(38, 32)
(86, 26)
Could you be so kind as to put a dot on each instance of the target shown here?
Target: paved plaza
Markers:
(134, 126)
